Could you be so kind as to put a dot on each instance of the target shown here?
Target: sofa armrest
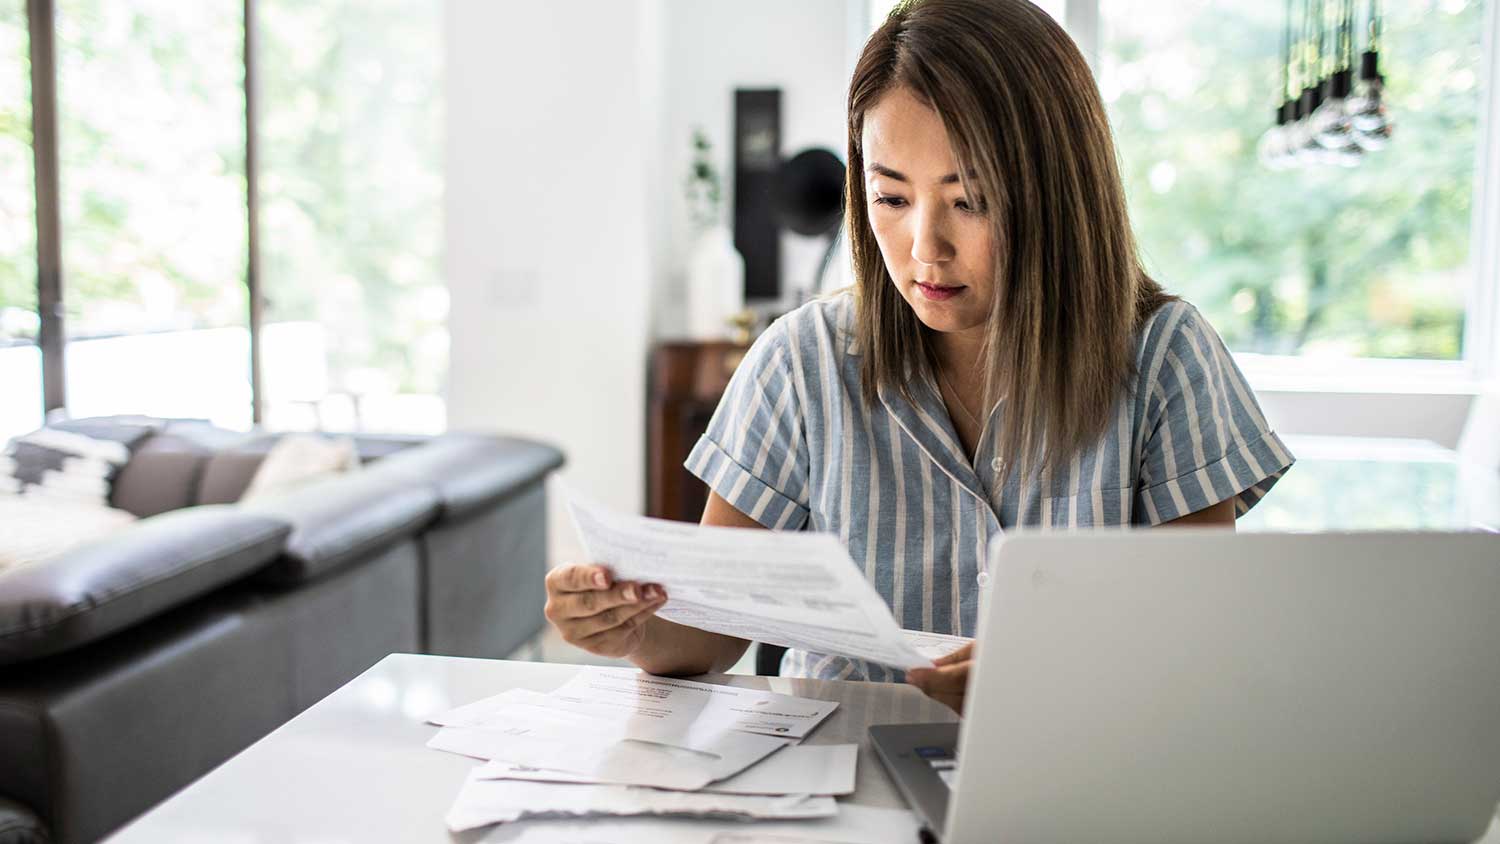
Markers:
(471, 472)
(340, 519)
(129, 576)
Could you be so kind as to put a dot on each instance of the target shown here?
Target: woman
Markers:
(1002, 362)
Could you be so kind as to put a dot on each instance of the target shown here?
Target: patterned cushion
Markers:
(75, 460)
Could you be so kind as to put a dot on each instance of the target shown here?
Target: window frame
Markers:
(41, 17)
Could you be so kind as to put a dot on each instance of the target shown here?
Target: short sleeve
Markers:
(754, 453)
(1206, 438)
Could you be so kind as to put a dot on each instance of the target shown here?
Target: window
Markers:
(153, 171)
(20, 358)
(1369, 262)
(151, 127)
(1319, 264)
(350, 140)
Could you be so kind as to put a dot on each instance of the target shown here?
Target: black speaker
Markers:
(757, 158)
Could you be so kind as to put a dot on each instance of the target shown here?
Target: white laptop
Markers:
(1189, 686)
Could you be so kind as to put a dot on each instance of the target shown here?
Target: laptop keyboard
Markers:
(943, 762)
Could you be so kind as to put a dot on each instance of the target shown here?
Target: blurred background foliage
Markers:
(152, 146)
(1363, 262)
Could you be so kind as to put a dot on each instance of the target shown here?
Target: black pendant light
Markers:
(1272, 148)
(1331, 126)
(1367, 111)
(1328, 116)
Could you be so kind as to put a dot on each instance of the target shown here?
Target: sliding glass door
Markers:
(349, 134)
(151, 123)
(20, 356)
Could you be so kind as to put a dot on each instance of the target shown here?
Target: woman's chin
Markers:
(945, 317)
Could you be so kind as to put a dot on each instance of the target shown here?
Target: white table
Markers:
(354, 767)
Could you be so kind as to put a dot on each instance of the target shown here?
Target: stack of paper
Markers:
(622, 742)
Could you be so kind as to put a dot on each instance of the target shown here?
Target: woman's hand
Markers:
(945, 683)
(594, 612)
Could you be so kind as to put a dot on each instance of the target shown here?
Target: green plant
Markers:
(702, 184)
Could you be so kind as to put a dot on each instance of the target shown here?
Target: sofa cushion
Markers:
(162, 475)
(18, 825)
(156, 564)
(472, 471)
(166, 471)
(228, 472)
(339, 519)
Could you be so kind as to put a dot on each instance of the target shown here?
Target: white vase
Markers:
(715, 283)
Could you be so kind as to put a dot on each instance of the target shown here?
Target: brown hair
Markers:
(1028, 128)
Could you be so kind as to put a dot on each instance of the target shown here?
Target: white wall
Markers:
(711, 47)
(547, 243)
(1437, 416)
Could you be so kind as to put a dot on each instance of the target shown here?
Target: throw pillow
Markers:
(296, 459)
(75, 460)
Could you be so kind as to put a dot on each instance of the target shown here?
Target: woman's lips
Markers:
(940, 294)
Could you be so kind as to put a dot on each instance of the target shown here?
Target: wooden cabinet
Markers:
(683, 388)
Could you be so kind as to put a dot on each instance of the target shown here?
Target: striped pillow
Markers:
(74, 461)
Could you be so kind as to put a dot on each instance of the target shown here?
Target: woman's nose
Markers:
(929, 244)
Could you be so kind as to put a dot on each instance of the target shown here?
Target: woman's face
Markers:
(934, 238)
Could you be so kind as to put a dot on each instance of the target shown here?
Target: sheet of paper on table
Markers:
(482, 802)
(625, 694)
(528, 732)
(852, 825)
(823, 769)
(799, 590)
(934, 645)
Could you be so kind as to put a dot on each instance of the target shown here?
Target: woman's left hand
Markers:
(947, 681)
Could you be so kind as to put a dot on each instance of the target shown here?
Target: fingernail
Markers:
(599, 580)
(658, 593)
(630, 594)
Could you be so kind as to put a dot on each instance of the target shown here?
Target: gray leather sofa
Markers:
(132, 666)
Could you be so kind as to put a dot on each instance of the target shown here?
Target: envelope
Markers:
(482, 802)
(826, 769)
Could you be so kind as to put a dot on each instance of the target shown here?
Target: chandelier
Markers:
(1327, 116)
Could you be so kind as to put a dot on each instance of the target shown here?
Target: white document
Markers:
(934, 645)
(632, 697)
(483, 802)
(799, 590)
(526, 729)
(852, 825)
(824, 769)
(501, 711)
(681, 703)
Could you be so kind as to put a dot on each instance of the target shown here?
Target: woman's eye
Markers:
(890, 201)
(964, 205)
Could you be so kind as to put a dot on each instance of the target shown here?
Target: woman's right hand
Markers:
(594, 612)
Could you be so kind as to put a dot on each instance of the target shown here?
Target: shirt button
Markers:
(995, 464)
(984, 579)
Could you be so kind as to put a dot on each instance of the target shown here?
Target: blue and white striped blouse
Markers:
(793, 445)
